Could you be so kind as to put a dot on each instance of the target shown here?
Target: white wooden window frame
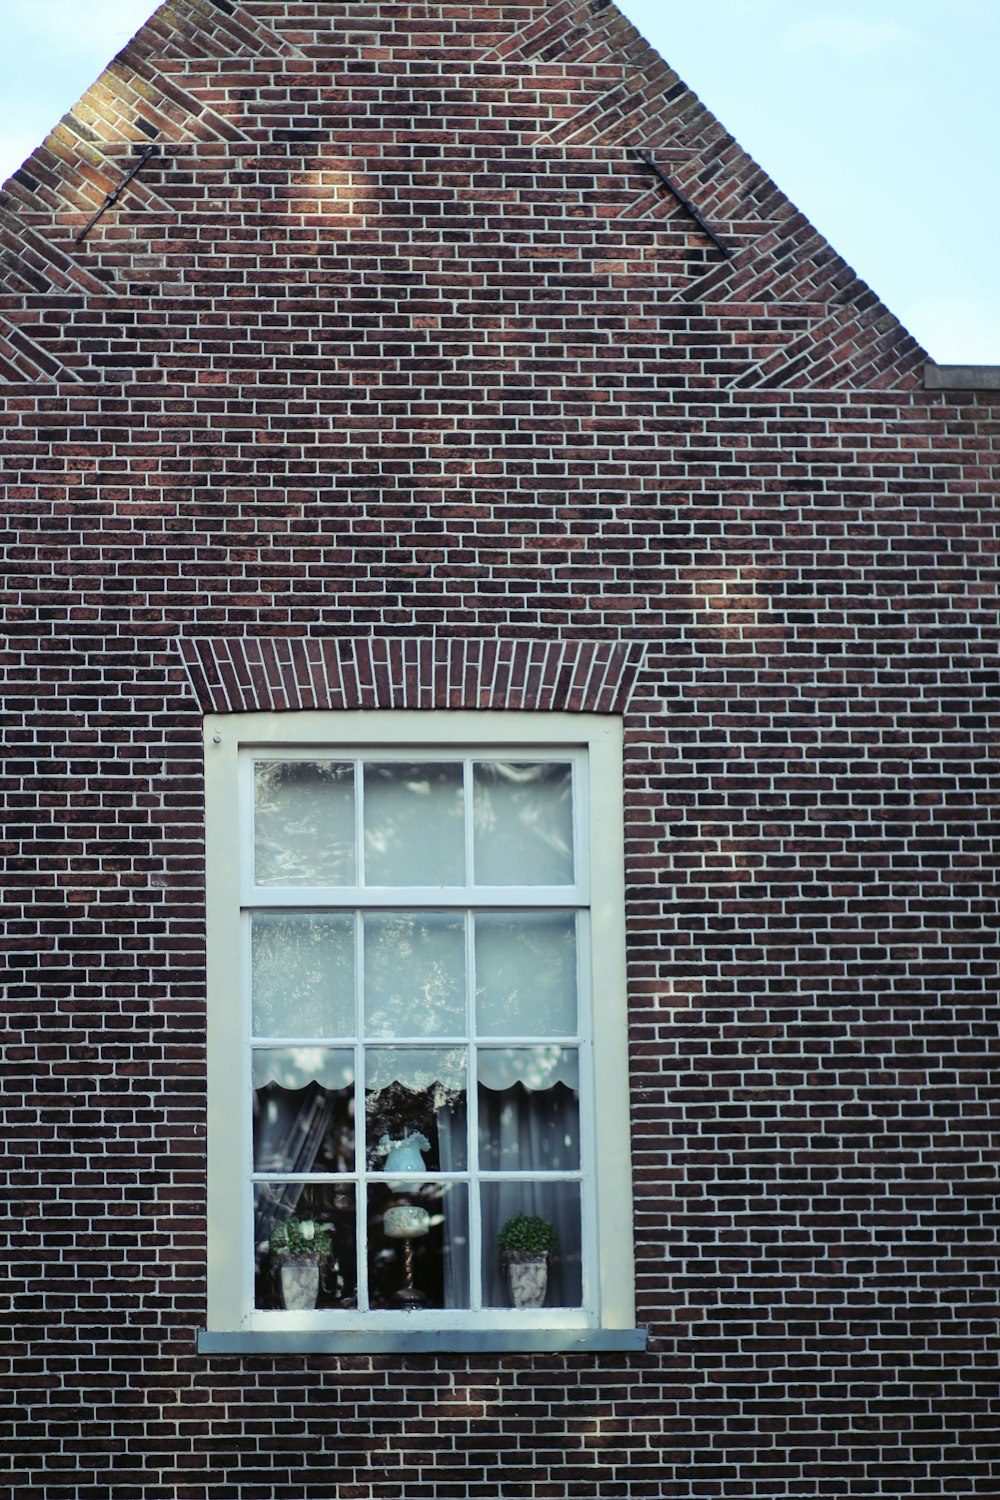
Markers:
(594, 745)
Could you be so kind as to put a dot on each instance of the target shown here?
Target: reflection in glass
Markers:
(523, 823)
(303, 1116)
(414, 974)
(329, 1207)
(303, 974)
(556, 1202)
(303, 823)
(529, 1109)
(414, 1091)
(526, 974)
(295, 1067)
(414, 824)
(435, 1262)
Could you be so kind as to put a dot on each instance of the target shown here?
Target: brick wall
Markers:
(395, 349)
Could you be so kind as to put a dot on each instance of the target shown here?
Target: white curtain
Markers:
(538, 1067)
(525, 1130)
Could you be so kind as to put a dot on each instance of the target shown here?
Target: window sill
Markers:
(430, 1341)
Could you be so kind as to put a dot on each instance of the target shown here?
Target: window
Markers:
(417, 1030)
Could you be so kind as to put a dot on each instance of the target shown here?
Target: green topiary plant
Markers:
(300, 1237)
(526, 1234)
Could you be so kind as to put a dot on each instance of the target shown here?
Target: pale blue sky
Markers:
(879, 118)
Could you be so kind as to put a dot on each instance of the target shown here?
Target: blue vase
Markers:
(406, 1157)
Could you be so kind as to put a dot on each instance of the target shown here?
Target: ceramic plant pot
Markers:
(298, 1276)
(527, 1276)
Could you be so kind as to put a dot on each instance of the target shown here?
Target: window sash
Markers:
(360, 892)
(473, 902)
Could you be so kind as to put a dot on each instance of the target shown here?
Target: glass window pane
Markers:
(289, 1219)
(558, 1203)
(303, 974)
(414, 824)
(526, 974)
(414, 974)
(303, 823)
(303, 1109)
(418, 1246)
(523, 823)
(415, 1100)
(529, 1109)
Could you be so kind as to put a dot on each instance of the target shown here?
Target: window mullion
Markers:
(588, 1143)
(360, 1180)
(469, 829)
(395, 898)
(472, 1094)
(472, 1113)
(245, 792)
(248, 1206)
(359, 822)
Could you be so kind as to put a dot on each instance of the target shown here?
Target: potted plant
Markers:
(524, 1245)
(298, 1248)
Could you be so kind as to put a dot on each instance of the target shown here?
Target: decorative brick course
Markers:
(395, 378)
(239, 674)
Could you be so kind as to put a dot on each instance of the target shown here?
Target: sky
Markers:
(880, 119)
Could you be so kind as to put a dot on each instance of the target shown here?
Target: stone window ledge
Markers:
(431, 1341)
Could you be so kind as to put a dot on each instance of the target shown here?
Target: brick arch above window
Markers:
(240, 674)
